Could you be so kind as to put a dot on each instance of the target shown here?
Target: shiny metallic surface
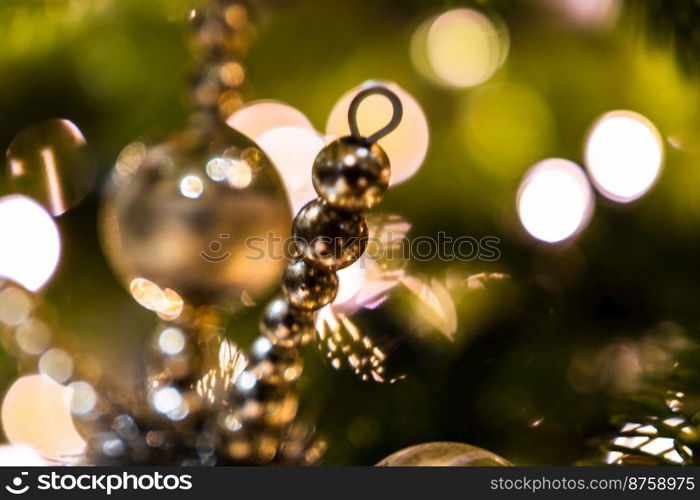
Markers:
(351, 174)
(285, 324)
(328, 238)
(308, 287)
(168, 221)
(443, 454)
(51, 162)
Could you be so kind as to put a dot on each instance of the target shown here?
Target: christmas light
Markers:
(555, 200)
(258, 117)
(31, 245)
(36, 411)
(293, 150)
(460, 48)
(624, 155)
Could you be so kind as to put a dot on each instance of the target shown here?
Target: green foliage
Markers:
(118, 68)
(659, 424)
(674, 23)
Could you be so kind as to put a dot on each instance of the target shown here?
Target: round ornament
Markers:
(445, 454)
(351, 175)
(50, 162)
(202, 214)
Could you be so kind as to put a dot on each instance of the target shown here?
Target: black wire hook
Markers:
(395, 117)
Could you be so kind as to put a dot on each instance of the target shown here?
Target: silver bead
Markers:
(328, 238)
(308, 287)
(351, 175)
(284, 324)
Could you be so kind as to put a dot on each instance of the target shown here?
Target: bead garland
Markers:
(350, 175)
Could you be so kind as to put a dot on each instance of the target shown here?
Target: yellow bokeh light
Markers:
(624, 155)
(406, 146)
(174, 307)
(239, 174)
(168, 304)
(460, 48)
(148, 294)
(555, 200)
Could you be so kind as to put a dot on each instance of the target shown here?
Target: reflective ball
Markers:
(308, 287)
(202, 214)
(443, 454)
(51, 163)
(351, 175)
(328, 238)
(284, 324)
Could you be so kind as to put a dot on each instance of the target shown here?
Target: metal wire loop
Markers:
(396, 116)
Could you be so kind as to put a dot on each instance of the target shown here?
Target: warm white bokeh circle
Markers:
(464, 47)
(624, 155)
(31, 245)
(37, 411)
(555, 200)
(258, 117)
(21, 456)
(406, 146)
(293, 151)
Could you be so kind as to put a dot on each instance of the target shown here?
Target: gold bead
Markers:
(308, 287)
(328, 238)
(351, 175)
(282, 323)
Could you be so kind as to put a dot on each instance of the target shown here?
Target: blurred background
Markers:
(596, 272)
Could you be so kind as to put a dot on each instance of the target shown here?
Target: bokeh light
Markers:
(21, 456)
(191, 186)
(460, 48)
(15, 306)
(51, 163)
(588, 13)
(406, 146)
(293, 150)
(258, 117)
(167, 303)
(171, 341)
(174, 308)
(57, 364)
(31, 246)
(239, 175)
(36, 412)
(33, 336)
(148, 294)
(83, 399)
(167, 399)
(624, 155)
(555, 200)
